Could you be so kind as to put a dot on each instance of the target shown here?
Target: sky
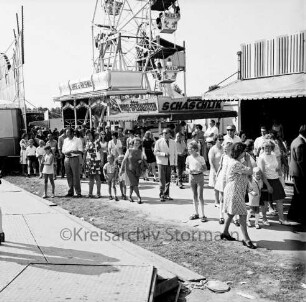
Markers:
(58, 38)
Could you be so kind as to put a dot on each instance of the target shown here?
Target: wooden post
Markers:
(239, 64)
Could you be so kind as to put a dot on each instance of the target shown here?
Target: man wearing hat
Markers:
(230, 135)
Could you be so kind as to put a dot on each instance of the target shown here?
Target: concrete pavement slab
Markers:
(49, 282)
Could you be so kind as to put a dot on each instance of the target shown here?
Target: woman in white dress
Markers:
(214, 157)
(221, 178)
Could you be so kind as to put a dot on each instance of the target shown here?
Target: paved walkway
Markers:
(289, 240)
(41, 260)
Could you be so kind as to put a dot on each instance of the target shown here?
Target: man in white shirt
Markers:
(231, 136)
(259, 140)
(72, 147)
(212, 130)
(166, 157)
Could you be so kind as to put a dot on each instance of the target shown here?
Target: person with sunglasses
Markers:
(231, 136)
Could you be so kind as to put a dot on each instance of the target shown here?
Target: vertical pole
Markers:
(90, 114)
(75, 114)
(239, 64)
(185, 91)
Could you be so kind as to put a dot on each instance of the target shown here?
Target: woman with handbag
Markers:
(133, 165)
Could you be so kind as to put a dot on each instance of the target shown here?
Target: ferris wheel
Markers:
(126, 34)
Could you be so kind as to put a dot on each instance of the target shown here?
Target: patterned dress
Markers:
(235, 189)
(93, 158)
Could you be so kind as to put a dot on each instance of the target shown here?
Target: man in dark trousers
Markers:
(297, 170)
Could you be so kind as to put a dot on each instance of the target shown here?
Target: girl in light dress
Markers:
(110, 173)
(195, 166)
(24, 143)
(214, 157)
(48, 170)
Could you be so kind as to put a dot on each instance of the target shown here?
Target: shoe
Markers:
(110, 197)
(69, 195)
(2, 237)
(257, 226)
(89, 196)
(221, 221)
(123, 197)
(162, 198)
(44, 196)
(40, 176)
(168, 198)
(52, 196)
(236, 222)
(28, 175)
(227, 237)
(98, 196)
(249, 224)
(139, 201)
(194, 216)
(203, 219)
(266, 222)
(116, 198)
(154, 179)
(78, 196)
(284, 222)
(131, 199)
(249, 244)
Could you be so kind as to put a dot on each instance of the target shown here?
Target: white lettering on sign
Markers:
(81, 85)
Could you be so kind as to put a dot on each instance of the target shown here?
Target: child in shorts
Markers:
(121, 178)
(110, 172)
(40, 152)
(195, 166)
(48, 170)
(254, 193)
(31, 157)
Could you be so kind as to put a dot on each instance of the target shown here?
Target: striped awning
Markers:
(285, 86)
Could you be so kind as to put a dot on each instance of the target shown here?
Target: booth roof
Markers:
(284, 86)
(189, 115)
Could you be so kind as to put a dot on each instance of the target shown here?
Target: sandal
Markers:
(221, 221)
(236, 222)
(194, 216)
(203, 219)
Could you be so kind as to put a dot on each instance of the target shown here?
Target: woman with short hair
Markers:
(270, 168)
(235, 191)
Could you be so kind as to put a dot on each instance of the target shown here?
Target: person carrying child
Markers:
(254, 193)
(48, 170)
(110, 172)
(121, 177)
(40, 152)
(195, 166)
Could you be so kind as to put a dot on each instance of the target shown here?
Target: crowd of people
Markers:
(248, 176)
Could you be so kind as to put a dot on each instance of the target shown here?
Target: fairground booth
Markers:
(121, 98)
(271, 86)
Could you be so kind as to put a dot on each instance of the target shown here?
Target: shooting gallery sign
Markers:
(130, 104)
(169, 105)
